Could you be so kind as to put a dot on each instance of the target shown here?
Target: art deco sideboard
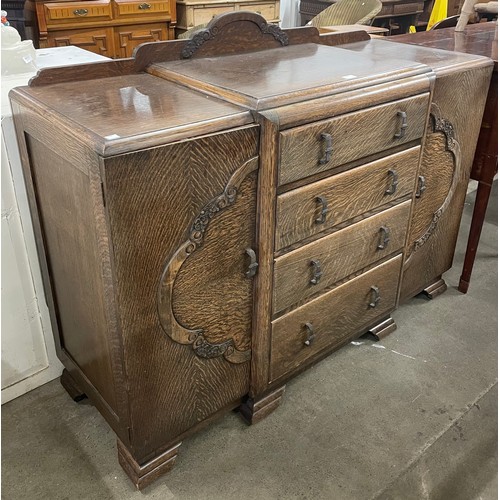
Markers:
(214, 215)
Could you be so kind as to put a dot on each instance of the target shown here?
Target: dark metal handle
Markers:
(317, 272)
(394, 182)
(421, 187)
(80, 12)
(327, 139)
(375, 296)
(310, 334)
(324, 210)
(403, 126)
(144, 6)
(384, 237)
(252, 268)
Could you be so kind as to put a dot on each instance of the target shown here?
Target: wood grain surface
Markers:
(353, 135)
(152, 199)
(338, 255)
(335, 316)
(347, 195)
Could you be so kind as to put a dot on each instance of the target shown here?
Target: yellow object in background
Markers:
(412, 29)
(439, 12)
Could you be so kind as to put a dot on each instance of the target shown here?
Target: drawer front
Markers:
(127, 38)
(77, 12)
(319, 265)
(309, 210)
(97, 40)
(304, 150)
(408, 8)
(126, 9)
(334, 317)
(204, 14)
(269, 11)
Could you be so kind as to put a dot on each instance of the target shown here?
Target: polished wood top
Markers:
(129, 112)
(265, 79)
(480, 39)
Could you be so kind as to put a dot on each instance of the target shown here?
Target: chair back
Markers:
(449, 22)
(348, 12)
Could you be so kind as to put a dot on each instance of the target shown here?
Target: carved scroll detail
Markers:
(177, 332)
(440, 124)
(215, 26)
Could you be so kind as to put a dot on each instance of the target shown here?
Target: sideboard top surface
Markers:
(265, 79)
(129, 112)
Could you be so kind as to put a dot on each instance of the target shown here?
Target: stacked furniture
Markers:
(111, 28)
(212, 218)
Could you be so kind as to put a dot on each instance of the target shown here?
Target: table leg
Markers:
(482, 197)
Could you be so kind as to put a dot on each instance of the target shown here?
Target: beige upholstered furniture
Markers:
(348, 12)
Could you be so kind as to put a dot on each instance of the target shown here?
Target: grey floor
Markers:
(412, 417)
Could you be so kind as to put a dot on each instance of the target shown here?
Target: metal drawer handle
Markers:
(375, 296)
(317, 272)
(421, 187)
(144, 6)
(252, 268)
(80, 12)
(327, 140)
(310, 334)
(403, 126)
(324, 209)
(394, 182)
(384, 237)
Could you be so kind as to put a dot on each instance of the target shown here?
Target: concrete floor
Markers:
(412, 417)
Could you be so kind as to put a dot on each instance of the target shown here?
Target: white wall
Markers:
(289, 13)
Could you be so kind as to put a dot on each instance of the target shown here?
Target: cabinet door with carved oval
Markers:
(182, 220)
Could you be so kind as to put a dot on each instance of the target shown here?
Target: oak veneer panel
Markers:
(130, 112)
(127, 38)
(97, 40)
(57, 13)
(353, 136)
(153, 197)
(339, 255)
(66, 210)
(336, 316)
(347, 195)
(432, 257)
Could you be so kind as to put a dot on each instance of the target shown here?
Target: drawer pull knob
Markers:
(384, 237)
(317, 272)
(252, 268)
(394, 179)
(375, 296)
(327, 140)
(324, 209)
(80, 12)
(310, 334)
(144, 6)
(403, 125)
(421, 187)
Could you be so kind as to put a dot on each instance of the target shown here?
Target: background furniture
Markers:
(480, 39)
(372, 30)
(347, 12)
(210, 222)
(111, 28)
(197, 13)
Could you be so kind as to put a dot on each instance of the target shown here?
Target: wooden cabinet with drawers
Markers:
(209, 226)
(111, 28)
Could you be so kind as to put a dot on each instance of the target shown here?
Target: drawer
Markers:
(269, 11)
(349, 137)
(77, 12)
(203, 14)
(319, 265)
(151, 9)
(344, 196)
(408, 8)
(334, 317)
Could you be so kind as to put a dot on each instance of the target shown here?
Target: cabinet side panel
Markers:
(65, 206)
(457, 109)
(155, 199)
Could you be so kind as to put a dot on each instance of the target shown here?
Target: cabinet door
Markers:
(97, 40)
(181, 219)
(127, 38)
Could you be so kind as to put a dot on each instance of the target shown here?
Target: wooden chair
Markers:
(348, 12)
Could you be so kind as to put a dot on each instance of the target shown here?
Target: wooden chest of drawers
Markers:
(111, 28)
(209, 226)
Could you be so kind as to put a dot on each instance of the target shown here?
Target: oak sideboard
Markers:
(216, 214)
